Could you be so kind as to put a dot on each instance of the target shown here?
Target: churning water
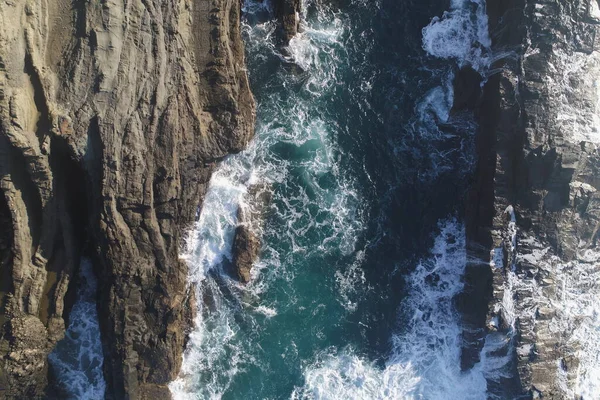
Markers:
(352, 296)
(77, 359)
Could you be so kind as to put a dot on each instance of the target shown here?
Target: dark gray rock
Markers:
(467, 89)
(532, 212)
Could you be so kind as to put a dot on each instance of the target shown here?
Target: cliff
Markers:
(112, 115)
(534, 212)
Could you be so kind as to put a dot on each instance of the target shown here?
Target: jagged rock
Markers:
(246, 249)
(112, 114)
(247, 242)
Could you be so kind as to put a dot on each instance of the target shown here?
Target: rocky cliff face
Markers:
(112, 114)
(534, 212)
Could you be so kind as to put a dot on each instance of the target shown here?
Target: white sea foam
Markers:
(256, 7)
(425, 359)
(460, 34)
(437, 102)
(77, 359)
(351, 282)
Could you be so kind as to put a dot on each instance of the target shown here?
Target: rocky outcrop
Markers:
(247, 240)
(288, 16)
(112, 114)
(534, 211)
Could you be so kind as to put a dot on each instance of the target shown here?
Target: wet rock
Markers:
(246, 249)
(247, 241)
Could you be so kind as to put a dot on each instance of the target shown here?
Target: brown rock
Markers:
(247, 242)
(538, 157)
(288, 15)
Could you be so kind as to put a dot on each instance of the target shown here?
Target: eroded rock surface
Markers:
(288, 16)
(112, 114)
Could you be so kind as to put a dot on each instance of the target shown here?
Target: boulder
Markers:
(247, 242)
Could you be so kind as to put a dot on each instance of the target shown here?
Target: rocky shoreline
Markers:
(113, 115)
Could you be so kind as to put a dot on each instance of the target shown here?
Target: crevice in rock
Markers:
(77, 183)
(6, 254)
(94, 170)
(17, 169)
(71, 197)
(44, 124)
(79, 7)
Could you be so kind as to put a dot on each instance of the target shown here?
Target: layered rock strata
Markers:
(112, 114)
(534, 211)
(251, 213)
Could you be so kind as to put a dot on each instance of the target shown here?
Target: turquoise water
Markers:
(353, 294)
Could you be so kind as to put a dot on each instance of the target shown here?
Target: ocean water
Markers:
(353, 294)
(77, 360)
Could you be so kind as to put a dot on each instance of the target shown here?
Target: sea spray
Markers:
(461, 34)
(425, 356)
